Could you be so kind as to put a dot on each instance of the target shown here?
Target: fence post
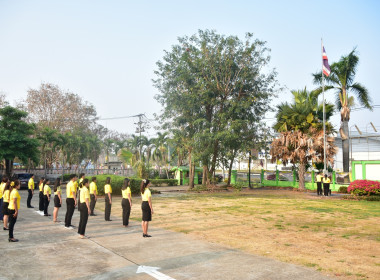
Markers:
(294, 179)
(333, 179)
(277, 176)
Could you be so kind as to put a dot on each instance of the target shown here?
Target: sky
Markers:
(106, 51)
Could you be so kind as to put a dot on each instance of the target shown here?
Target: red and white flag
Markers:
(325, 67)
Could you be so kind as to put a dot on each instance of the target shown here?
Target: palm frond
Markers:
(362, 95)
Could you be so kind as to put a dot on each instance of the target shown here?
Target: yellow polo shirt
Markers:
(2, 186)
(47, 190)
(146, 195)
(58, 190)
(319, 178)
(31, 184)
(14, 194)
(107, 188)
(84, 193)
(40, 187)
(93, 188)
(327, 180)
(70, 188)
(6, 196)
(126, 192)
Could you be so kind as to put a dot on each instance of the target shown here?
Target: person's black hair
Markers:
(57, 184)
(42, 179)
(125, 183)
(45, 181)
(84, 182)
(108, 180)
(72, 176)
(7, 185)
(31, 175)
(81, 175)
(144, 183)
(5, 179)
(93, 179)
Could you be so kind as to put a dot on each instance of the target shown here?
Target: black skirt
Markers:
(5, 208)
(57, 201)
(146, 212)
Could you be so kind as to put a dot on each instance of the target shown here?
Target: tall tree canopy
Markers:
(341, 81)
(212, 85)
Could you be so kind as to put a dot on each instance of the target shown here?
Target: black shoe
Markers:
(92, 215)
(46, 215)
(12, 240)
(147, 235)
(144, 235)
(109, 220)
(4, 228)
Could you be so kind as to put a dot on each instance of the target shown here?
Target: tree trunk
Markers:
(191, 172)
(301, 176)
(8, 167)
(229, 171)
(345, 145)
(205, 175)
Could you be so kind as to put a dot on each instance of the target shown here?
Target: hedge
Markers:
(342, 190)
(364, 187)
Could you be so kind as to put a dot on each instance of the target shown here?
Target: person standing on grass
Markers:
(326, 185)
(30, 191)
(93, 195)
(6, 195)
(2, 186)
(71, 200)
(146, 206)
(13, 208)
(84, 207)
(319, 183)
(41, 194)
(47, 195)
(108, 199)
(126, 202)
(57, 199)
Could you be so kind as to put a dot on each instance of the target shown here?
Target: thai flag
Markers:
(326, 67)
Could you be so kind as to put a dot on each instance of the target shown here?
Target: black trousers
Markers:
(46, 204)
(92, 203)
(1, 209)
(326, 188)
(30, 195)
(319, 188)
(70, 206)
(41, 204)
(83, 218)
(12, 222)
(107, 210)
(126, 211)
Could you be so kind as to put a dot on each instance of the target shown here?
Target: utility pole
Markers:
(140, 129)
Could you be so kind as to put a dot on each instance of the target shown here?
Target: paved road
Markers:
(49, 251)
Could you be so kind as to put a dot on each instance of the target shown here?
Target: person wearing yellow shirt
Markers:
(71, 200)
(57, 199)
(2, 185)
(126, 202)
(13, 208)
(326, 185)
(30, 191)
(47, 195)
(78, 184)
(5, 186)
(84, 207)
(108, 199)
(319, 183)
(146, 206)
(93, 195)
(41, 194)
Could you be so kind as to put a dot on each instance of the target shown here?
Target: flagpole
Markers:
(324, 116)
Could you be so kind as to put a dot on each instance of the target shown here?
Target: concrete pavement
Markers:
(49, 251)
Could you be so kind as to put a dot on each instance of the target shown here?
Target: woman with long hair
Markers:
(93, 195)
(13, 207)
(84, 207)
(146, 206)
(47, 194)
(108, 199)
(57, 199)
(4, 180)
(126, 202)
(41, 194)
(6, 193)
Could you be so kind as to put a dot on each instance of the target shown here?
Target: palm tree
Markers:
(301, 136)
(341, 79)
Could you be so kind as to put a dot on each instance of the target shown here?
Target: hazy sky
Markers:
(106, 51)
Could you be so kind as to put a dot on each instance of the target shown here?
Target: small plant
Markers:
(364, 187)
(238, 186)
(342, 190)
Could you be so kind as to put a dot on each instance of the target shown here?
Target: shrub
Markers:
(364, 187)
(342, 190)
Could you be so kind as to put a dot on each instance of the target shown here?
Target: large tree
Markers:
(208, 83)
(16, 139)
(341, 80)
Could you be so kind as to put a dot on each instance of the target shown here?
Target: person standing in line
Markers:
(93, 195)
(81, 178)
(30, 191)
(14, 206)
(6, 195)
(2, 185)
(126, 202)
(108, 199)
(41, 194)
(84, 207)
(47, 195)
(71, 200)
(319, 183)
(326, 185)
(146, 206)
(57, 199)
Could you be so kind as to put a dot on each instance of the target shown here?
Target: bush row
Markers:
(364, 187)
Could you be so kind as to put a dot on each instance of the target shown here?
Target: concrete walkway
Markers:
(49, 251)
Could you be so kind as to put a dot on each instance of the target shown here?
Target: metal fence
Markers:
(59, 172)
